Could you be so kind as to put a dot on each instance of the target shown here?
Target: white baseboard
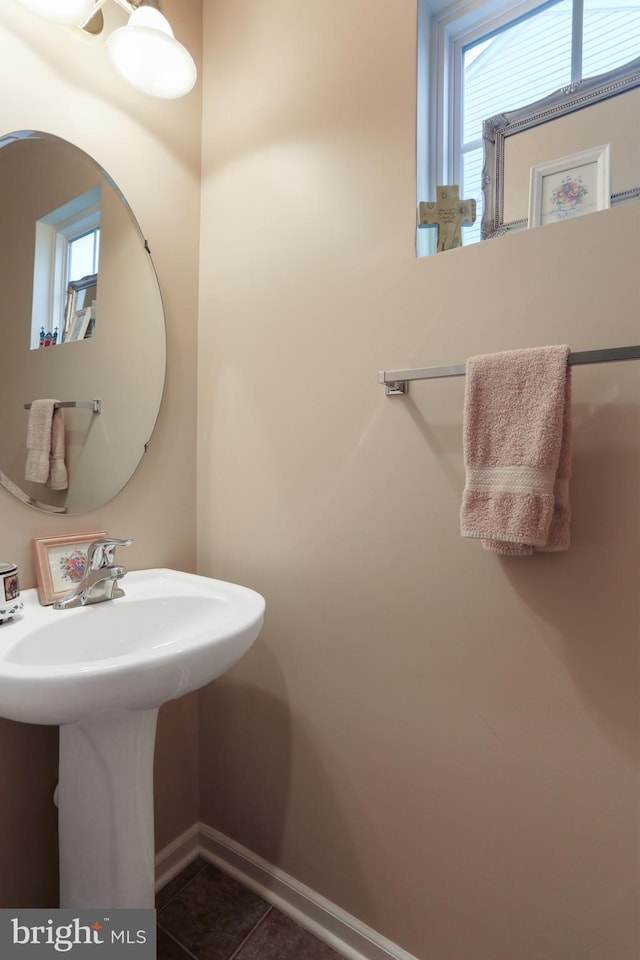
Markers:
(177, 855)
(346, 934)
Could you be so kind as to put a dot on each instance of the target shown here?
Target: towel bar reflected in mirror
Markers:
(95, 405)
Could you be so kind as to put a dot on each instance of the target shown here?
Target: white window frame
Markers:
(442, 37)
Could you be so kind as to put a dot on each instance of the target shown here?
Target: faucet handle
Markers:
(101, 552)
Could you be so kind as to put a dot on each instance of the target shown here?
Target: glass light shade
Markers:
(146, 54)
(61, 11)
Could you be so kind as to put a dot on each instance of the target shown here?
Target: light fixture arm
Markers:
(128, 5)
(131, 5)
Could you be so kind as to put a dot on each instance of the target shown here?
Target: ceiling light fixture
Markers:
(147, 55)
(144, 53)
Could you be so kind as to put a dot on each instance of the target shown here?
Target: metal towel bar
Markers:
(397, 381)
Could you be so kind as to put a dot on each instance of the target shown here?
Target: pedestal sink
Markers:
(101, 672)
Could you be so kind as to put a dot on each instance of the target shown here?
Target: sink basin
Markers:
(171, 633)
(101, 672)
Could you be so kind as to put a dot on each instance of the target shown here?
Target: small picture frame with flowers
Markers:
(60, 563)
(570, 186)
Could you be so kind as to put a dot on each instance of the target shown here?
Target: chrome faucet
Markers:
(100, 578)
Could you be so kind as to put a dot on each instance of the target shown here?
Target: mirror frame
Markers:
(498, 128)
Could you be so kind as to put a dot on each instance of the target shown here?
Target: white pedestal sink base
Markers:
(86, 670)
(105, 811)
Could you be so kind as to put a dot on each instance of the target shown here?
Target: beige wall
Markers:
(56, 83)
(440, 741)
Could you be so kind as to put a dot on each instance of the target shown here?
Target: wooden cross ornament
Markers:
(448, 213)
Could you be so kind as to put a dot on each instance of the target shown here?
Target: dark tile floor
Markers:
(204, 914)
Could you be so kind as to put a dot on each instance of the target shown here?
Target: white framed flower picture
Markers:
(569, 186)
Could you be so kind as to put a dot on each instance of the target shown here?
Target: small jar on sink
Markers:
(10, 602)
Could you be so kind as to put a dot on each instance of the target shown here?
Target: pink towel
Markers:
(517, 450)
(57, 479)
(39, 440)
(46, 445)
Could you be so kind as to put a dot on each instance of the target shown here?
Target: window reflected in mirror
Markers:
(65, 272)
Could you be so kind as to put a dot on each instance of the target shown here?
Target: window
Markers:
(67, 250)
(82, 254)
(499, 59)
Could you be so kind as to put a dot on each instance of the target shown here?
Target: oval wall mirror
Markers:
(83, 324)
